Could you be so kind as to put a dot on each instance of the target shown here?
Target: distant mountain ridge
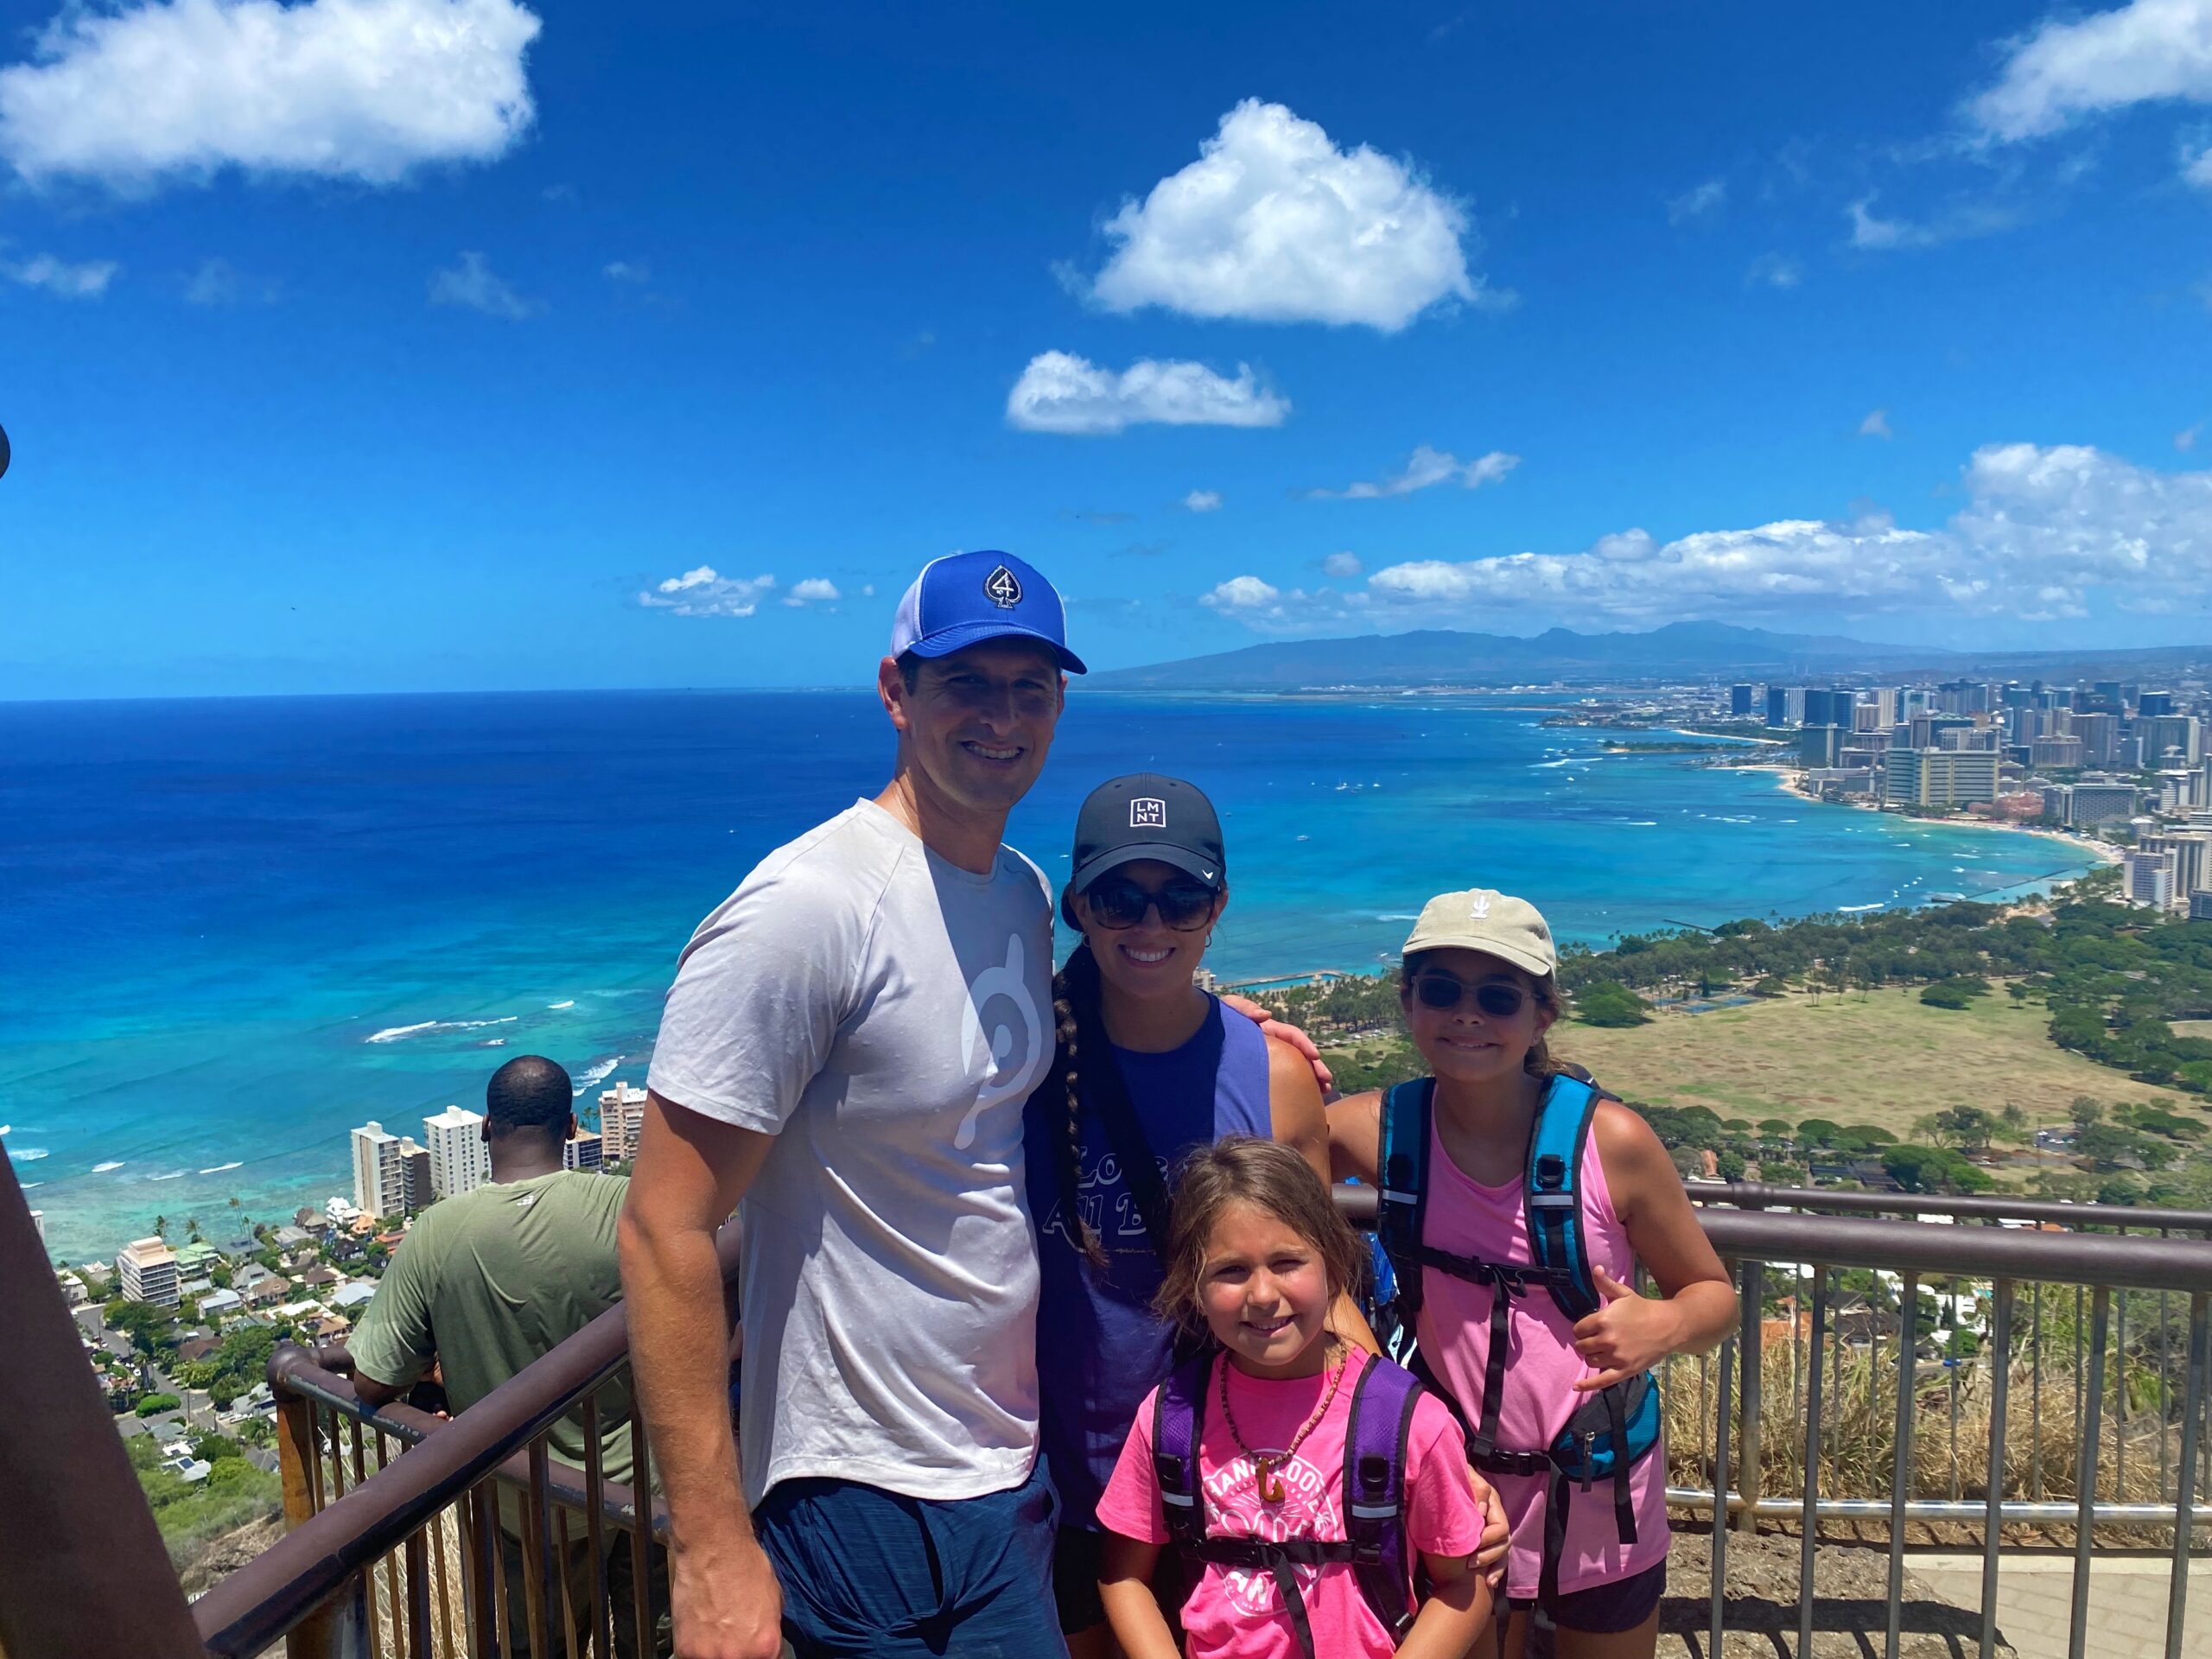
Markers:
(1444, 657)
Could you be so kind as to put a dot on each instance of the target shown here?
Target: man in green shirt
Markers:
(489, 1281)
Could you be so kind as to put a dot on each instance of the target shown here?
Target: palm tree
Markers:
(192, 1227)
(161, 1226)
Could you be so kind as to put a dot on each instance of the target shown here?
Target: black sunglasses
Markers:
(1441, 992)
(1117, 902)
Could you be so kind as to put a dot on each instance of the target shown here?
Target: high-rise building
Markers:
(583, 1151)
(416, 1183)
(2174, 735)
(1739, 701)
(2200, 906)
(2153, 703)
(459, 1162)
(621, 1117)
(1885, 700)
(380, 1177)
(2089, 805)
(1820, 745)
(1828, 708)
(147, 1268)
(2149, 879)
(2061, 751)
(1777, 705)
(1940, 777)
(2191, 852)
(2099, 736)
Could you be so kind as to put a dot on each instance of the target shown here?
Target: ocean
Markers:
(234, 929)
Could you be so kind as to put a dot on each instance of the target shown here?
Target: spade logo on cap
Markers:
(1002, 587)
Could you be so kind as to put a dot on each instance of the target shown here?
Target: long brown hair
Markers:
(1075, 1004)
(1273, 1178)
(1543, 990)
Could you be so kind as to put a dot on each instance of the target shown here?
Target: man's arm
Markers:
(393, 1345)
(690, 1171)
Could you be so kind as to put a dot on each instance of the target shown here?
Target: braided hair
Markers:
(1075, 1002)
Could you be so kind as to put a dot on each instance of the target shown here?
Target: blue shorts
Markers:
(866, 1571)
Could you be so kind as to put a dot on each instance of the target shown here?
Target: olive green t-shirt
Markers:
(487, 1283)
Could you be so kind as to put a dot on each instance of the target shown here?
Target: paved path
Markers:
(2035, 1592)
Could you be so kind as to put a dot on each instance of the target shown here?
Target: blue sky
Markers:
(449, 350)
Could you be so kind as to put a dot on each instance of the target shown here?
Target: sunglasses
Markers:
(1117, 902)
(1442, 992)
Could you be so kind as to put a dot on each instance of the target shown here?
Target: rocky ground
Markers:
(1851, 1588)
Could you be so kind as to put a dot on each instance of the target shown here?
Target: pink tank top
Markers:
(1468, 1218)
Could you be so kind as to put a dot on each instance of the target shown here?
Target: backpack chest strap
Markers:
(1509, 1281)
(1280, 1560)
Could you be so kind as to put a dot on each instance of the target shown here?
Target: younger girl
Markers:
(1479, 996)
(1254, 1450)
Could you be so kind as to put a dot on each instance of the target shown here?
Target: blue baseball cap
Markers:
(964, 599)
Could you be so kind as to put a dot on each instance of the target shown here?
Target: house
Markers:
(316, 1277)
(189, 1469)
(292, 1238)
(268, 1292)
(217, 1303)
(309, 1218)
(191, 1353)
(329, 1328)
(359, 1294)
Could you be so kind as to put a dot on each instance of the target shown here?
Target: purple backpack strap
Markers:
(1178, 1415)
(1375, 1492)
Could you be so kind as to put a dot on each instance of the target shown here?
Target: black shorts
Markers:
(1075, 1580)
(1609, 1609)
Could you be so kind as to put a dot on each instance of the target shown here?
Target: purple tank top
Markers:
(1099, 1349)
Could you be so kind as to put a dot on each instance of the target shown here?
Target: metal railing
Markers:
(1831, 1412)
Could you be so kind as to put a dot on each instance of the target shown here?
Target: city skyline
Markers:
(672, 348)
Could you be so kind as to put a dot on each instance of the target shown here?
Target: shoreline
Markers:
(1790, 780)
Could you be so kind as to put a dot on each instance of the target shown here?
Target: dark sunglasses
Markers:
(1443, 992)
(1117, 902)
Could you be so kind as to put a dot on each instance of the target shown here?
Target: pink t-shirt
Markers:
(1487, 1223)
(1237, 1613)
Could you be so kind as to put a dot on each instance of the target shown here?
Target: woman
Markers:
(1148, 1065)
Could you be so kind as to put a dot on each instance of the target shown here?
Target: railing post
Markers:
(298, 1454)
(1753, 1356)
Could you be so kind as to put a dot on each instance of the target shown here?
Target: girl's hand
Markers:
(1630, 1333)
(1498, 1536)
(1283, 1031)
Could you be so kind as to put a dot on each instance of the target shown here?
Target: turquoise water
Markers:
(233, 930)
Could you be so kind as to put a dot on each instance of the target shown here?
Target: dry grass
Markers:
(1882, 1058)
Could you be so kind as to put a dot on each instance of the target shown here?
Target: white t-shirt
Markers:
(883, 1014)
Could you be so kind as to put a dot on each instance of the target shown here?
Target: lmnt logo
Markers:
(1002, 587)
(1148, 813)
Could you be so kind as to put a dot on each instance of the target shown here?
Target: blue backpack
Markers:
(1613, 1430)
(1374, 1490)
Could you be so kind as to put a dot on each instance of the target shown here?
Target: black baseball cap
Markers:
(1147, 816)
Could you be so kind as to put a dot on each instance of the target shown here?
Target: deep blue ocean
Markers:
(231, 930)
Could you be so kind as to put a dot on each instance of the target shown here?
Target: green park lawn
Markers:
(1882, 1058)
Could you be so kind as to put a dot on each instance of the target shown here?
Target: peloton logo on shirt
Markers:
(1236, 1510)
(1148, 812)
(1014, 1068)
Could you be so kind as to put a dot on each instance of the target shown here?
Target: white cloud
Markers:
(218, 281)
(1424, 467)
(1700, 203)
(2185, 440)
(363, 89)
(2065, 69)
(1953, 224)
(1060, 392)
(1876, 425)
(87, 281)
(1273, 223)
(626, 270)
(2196, 167)
(813, 590)
(702, 592)
(1242, 594)
(472, 284)
(1342, 565)
(1773, 271)
(2045, 530)
(1203, 501)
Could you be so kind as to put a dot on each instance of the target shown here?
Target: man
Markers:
(489, 1280)
(846, 1049)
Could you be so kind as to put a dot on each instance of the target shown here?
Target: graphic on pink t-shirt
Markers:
(1234, 1506)
(1235, 1613)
